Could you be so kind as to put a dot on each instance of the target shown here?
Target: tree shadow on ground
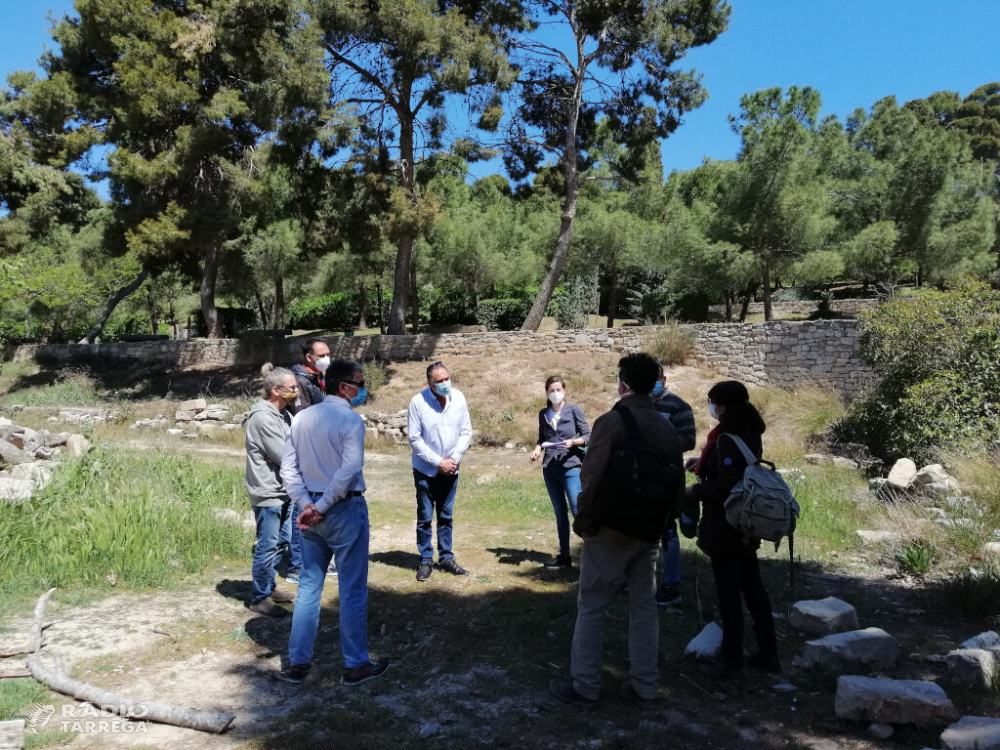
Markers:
(472, 661)
(511, 556)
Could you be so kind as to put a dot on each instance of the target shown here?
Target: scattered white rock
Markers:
(429, 729)
(38, 474)
(944, 488)
(974, 667)
(486, 479)
(930, 474)
(991, 549)
(229, 427)
(235, 517)
(989, 639)
(872, 538)
(845, 463)
(880, 731)
(903, 472)
(871, 647)
(707, 644)
(972, 733)
(746, 734)
(78, 445)
(892, 701)
(784, 687)
(175, 431)
(823, 616)
(12, 488)
(195, 404)
(878, 485)
(11, 455)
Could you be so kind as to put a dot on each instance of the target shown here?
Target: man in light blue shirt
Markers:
(440, 431)
(321, 471)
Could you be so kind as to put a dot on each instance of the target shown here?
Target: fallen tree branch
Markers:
(57, 680)
(14, 675)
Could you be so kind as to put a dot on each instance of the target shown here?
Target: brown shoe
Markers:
(282, 596)
(268, 608)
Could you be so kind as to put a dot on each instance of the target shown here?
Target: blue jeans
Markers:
(563, 486)
(265, 554)
(671, 555)
(435, 495)
(343, 535)
(291, 535)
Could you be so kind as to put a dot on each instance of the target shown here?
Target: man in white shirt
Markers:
(321, 471)
(440, 431)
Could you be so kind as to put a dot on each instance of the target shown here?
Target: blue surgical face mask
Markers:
(443, 388)
(657, 389)
(360, 398)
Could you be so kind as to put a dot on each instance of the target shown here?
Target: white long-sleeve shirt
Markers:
(324, 453)
(437, 432)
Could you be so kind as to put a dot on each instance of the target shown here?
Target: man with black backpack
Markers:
(632, 481)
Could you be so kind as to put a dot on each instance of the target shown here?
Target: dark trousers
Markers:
(435, 497)
(735, 573)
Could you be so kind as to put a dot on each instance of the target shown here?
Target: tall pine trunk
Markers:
(565, 239)
(729, 306)
(278, 310)
(109, 307)
(209, 275)
(766, 281)
(414, 297)
(612, 297)
(362, 306)
(404, 247)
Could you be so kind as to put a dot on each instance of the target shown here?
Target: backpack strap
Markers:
(631, 424)
(748, 454)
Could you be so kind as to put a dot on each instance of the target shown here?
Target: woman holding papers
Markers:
(562, 433)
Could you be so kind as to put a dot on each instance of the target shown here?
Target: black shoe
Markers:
(667, 595)
(765, 662)
(296, 673)
(369, 671)
(629, 692)
(564, 691)
(268, 608)
(453, 567)
(559, 561)
(424, 571)
(282, 596)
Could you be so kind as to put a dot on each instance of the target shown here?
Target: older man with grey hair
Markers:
(266, 432)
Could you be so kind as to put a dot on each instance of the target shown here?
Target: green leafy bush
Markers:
(332, 311)
(937, 361)
(502, 314)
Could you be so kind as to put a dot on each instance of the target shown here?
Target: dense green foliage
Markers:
(289, 156)
(937, 356)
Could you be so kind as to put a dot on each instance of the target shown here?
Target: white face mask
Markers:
(322, 363)
(713, 412)
(556, 397)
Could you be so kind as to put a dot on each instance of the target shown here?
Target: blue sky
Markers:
(853, 51)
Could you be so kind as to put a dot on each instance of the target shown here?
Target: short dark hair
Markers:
(434, 366)
(307, 348)
(639, 372)
(341, 371)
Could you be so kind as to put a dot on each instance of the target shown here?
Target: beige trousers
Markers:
(605, 557)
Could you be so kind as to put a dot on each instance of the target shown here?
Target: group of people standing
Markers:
(304, 474)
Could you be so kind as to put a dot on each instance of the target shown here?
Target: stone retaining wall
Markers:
(777, 353)
(806, 307)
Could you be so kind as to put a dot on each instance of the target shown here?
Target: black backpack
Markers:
(642, 487)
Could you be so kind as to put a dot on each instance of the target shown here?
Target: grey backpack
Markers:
(761, 505)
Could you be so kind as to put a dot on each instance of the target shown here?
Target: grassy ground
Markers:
(471, 655)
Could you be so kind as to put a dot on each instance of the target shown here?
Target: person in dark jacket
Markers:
(678, 412)
(562, 432)
(609, 553)
(311, 375)
(734, 559)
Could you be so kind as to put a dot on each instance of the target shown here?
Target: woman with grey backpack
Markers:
(733, 554)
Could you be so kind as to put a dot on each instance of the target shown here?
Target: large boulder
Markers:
(11, 455)
(195, 404)
(989, 639)
(15, 489)
(973, 667)
(872, 647)
(930, 474)
(707, 644)
(823, 616)
(972, 733)
(78, 445)
(892, 701)
(903, 472)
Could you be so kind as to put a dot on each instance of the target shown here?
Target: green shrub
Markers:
(671, 344)
(916, 557)
(128, 325)
(502, 314)
(937, 363)
(332, 312)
